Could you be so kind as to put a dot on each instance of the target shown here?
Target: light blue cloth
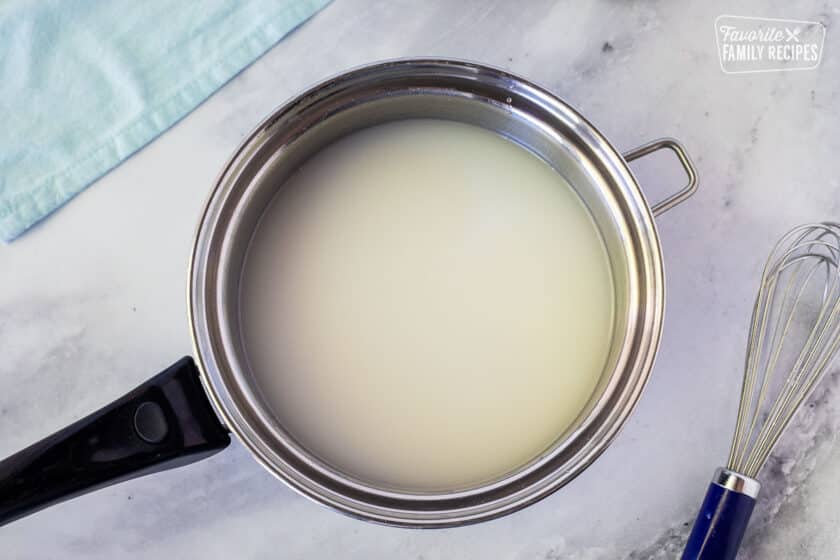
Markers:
(84, 84)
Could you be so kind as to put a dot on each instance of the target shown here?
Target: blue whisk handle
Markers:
(723, 517)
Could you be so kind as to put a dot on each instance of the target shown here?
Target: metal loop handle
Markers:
(690, 171)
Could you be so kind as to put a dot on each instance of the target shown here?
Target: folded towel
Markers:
(84, 84)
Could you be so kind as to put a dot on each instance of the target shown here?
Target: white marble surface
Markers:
(92, 301)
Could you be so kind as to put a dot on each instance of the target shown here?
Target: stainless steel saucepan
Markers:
(187, 411)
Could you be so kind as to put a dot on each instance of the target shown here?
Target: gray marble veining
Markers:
(92, 301)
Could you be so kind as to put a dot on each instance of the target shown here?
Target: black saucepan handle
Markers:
(166, 422)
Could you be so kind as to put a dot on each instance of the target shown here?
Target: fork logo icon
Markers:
(792, 35)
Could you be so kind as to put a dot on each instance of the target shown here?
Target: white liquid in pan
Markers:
(427, 305)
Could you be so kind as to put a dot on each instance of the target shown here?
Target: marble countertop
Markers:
(92, 300)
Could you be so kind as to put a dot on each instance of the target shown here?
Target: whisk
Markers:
(794, 335)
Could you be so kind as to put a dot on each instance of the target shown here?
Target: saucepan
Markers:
(187, 412)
